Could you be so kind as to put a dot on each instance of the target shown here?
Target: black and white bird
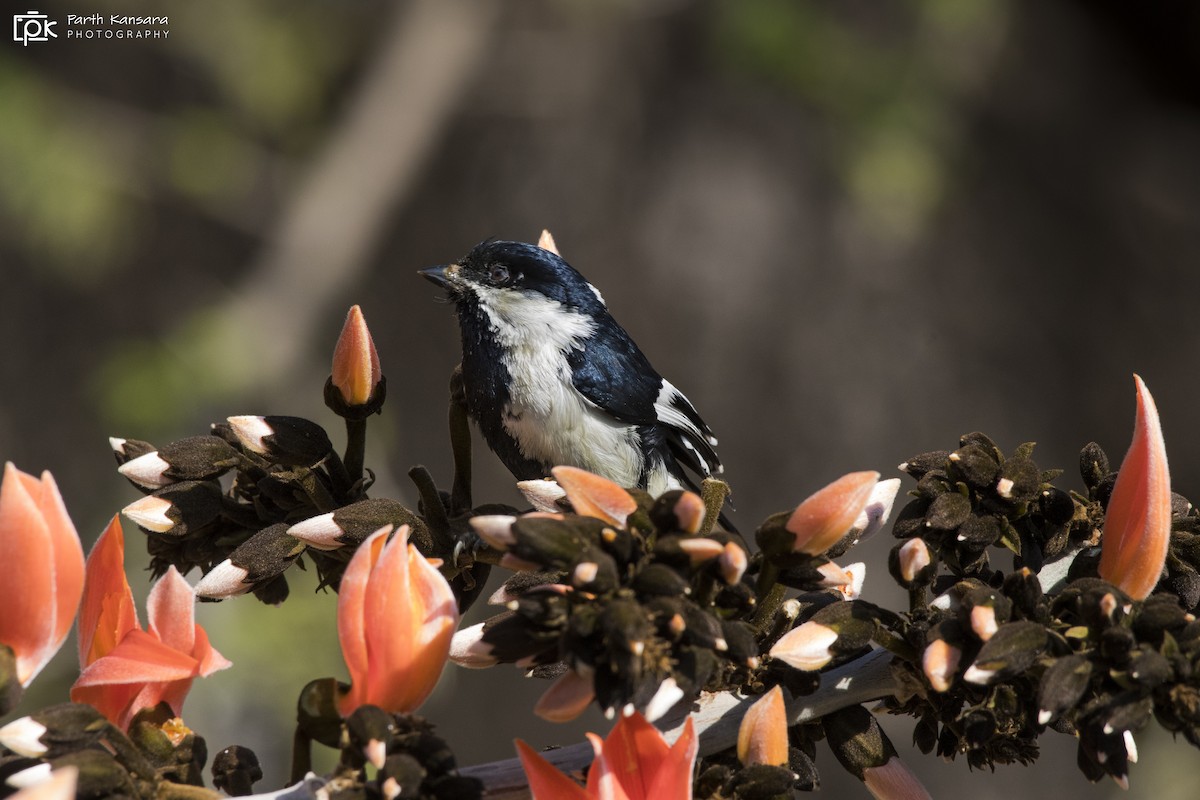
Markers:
(552, 379)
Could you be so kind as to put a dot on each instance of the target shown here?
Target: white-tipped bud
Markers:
(23, 737)
(543, 495)
(914, 557)
(833, 576)
(320, 532)
(224, 580)
(251, 431)
(468, 649)
(1004, 488)
(29, 777)
(700, 549)
(585, 572)
(807, 647)
(983, 622)
(879, 507)
(150, 512)
(733, 562)
(978, 675)
(664, 700)
(495, 529)
(148, 470)
(939, 662)
(858, 575)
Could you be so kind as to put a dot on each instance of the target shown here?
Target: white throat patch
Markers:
(550, 420)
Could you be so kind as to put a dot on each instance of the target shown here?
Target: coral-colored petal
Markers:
(28, 623)
(593, 496)
(209, 659)
(567, 698)
(112, 700)
(351, 620)
(107, 612)
(545, 781)
(68, 557)
(763, 734)
(411, 615)
(139, 658)
(894, 781)
(825, 516)
(1137, 523)
(634, 751)
(170, 608)
(673, 780)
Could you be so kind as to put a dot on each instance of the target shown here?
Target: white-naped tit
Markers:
(552, 379)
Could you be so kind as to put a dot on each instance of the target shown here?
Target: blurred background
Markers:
(849, 231)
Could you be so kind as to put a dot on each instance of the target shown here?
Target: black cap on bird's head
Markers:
(497, 267)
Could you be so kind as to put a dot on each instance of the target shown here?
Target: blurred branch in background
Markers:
(321, 240)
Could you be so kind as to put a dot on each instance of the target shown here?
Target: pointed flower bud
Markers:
(43, 562)
(54, 731)
(356, 369)
(1011, 650)
(546, 242)
(194, 458)
(912, 557)
(396, 617)
(60, 784)
(265, 555)
(593, 496)
(733, 562)
(292, 441)
(357, 377)
(634, 761)
(837, 629)
(939, 662)
(873, 517)
(542, 494)
(763, 734)
(350, 525)
(178, 508)
(1063, 685)
(824, 518)
(1137, 522)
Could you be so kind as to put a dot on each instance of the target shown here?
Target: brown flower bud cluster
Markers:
(624, 601)
(159, 757)
(1002, 656)
(285, 492)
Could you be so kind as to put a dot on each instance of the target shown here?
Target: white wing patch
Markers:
(669, 408)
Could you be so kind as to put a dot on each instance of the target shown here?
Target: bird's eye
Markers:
(498, 274)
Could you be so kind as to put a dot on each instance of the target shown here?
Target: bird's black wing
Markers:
(613, 373)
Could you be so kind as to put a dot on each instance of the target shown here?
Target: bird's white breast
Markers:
(550, 420)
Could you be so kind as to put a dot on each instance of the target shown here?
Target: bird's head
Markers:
(511, 279)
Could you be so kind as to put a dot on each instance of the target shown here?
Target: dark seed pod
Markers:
(948, 511)
(918, 465)
(1011, 650)
(235, 770)
(1062, 686)
(977, 465)
(1093, 465)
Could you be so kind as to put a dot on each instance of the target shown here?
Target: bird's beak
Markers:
(440, 274)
